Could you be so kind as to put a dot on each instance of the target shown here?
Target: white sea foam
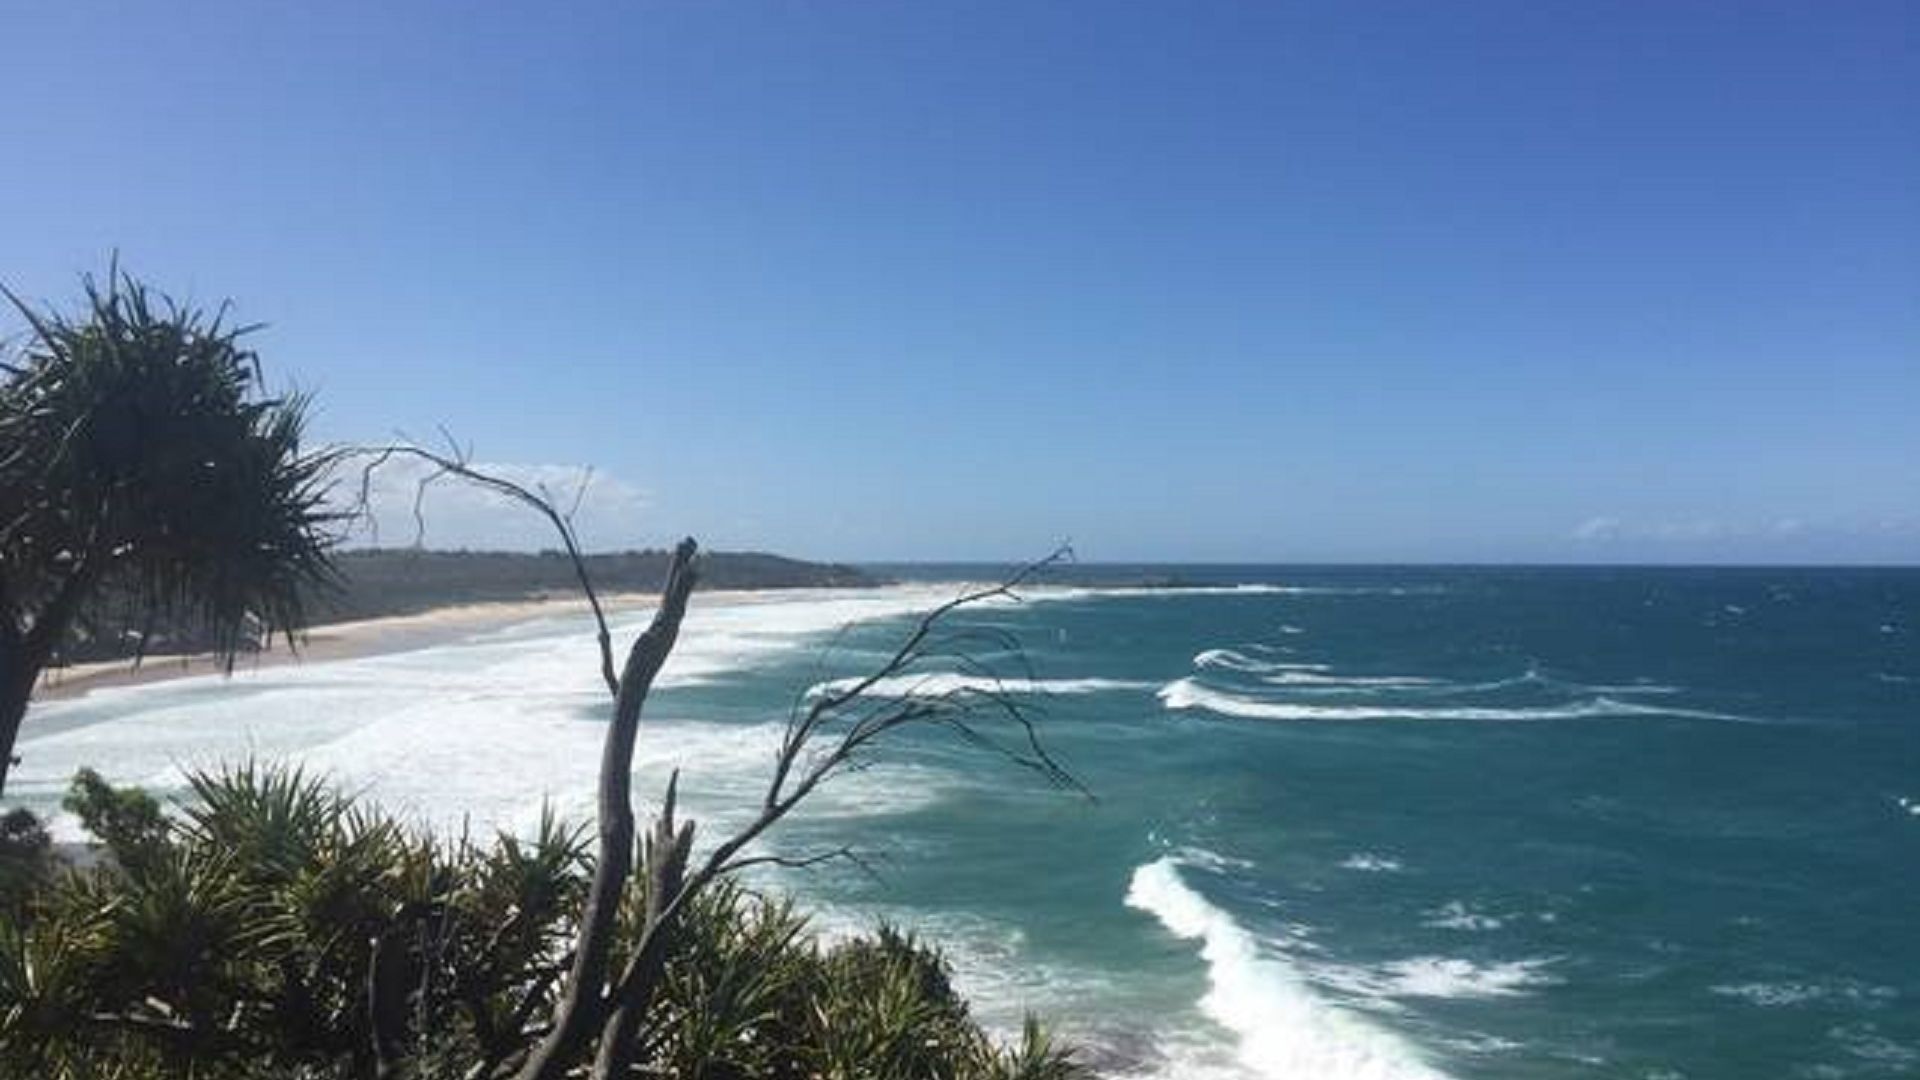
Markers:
(1311, 678)
(1003, 980)
(1189, 855)
(1231, 659)
(940, 683)
(1771, 995)
(1801, 992)
(1484, 1045)
(1235, 660)
(477, 733)
(1623, 689)
(1451, 977)
(1368, 682)
(1534, 677)
(1456, 915)
(1190, 693)
(1865, 1041)
(1285, 1030)
(1368, 863)
(1438, 977)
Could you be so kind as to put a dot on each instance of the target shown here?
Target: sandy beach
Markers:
(337, 641)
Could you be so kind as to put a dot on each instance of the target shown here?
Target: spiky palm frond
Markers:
(884, 1006)
(47, 981)
(254, 941)
(275, 819)
(1037, 1056)
(140, 451)
(739, 979)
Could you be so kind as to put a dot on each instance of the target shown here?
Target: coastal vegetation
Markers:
(400, 581)
(276, 928)
(144, 470)
(270, 926)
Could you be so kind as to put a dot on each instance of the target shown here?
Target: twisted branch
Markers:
(457, 461)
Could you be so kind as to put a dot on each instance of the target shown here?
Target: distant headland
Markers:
(405, 581)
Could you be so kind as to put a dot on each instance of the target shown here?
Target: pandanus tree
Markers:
(272, 928)
(144, 463)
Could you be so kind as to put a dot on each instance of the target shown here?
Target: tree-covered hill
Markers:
(405, 581)
(398, 581)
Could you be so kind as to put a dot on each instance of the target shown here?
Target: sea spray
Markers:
(1285, 1031)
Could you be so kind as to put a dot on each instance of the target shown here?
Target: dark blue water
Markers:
(1460, 822)
(1353, 823)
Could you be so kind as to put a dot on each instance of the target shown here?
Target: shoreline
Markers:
(348, 640)
(358, 638)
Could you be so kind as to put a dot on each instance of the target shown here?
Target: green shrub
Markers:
(279, 929)
(25, 860)
(127, 821)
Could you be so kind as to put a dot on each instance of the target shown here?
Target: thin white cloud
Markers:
(610, 514)
(1596, 529)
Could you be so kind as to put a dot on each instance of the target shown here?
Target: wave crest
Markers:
(1191, 693)
(938, 683)
(1284, 1029)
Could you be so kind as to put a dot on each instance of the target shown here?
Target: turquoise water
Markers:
(1476, 823)
(1347, 823)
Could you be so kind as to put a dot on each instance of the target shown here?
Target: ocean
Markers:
(1344, 823)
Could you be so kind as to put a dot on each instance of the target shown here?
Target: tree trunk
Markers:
(24, 654)
(16, 686)
(665, 865)
(22, 657)
(583, 1003)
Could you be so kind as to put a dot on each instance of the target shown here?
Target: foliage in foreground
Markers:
(279, 929)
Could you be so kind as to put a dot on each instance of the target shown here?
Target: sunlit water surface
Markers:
(1349, 823)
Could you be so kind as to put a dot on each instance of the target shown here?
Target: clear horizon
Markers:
(1361, 284)
(1067, 568)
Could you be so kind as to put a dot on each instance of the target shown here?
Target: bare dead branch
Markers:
(583, 1005)
(579, 493)
(801, 766)
(457, 462)
(826, 736)
(804, 862)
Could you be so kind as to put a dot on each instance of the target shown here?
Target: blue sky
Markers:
(1344, 281)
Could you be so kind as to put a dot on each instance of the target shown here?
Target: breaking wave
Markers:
(1322, 678)
(1190, 693)
(1284, 1029)
(938, 683)
(1235, 660)
(1318, 679)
